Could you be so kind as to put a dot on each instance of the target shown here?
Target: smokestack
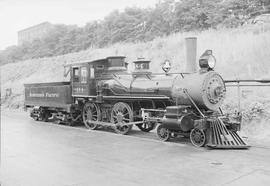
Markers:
(191, 53)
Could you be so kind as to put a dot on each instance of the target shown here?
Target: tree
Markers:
(197, 15)
(137, 24)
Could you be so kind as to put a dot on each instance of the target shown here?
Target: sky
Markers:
(16, 15)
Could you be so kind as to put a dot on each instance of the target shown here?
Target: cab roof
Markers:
(83, 62)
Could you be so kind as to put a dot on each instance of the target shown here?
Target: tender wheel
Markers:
(163, 133)
(197, 137)
(147, 126)
(57, 121)
(91, 112)
(121, 114)
(35, 114)
(70, 120)
(45, 116)
(74, 117)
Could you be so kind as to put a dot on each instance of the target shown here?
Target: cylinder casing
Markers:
(183, 123)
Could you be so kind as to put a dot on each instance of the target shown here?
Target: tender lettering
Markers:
(42, 95)
(37, 95)
(52, 95)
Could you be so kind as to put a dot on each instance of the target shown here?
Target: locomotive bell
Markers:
(166, 67)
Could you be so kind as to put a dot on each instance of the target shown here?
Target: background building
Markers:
(34, 32)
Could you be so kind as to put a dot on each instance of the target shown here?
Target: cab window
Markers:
(92, 72)
(76, 74)
(116, 62)
(83, 75)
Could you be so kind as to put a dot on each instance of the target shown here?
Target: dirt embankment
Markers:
(240, 53)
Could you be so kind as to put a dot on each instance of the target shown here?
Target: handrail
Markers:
(238, 83)
(247, 81)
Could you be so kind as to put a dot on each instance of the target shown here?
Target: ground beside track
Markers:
(38, 153)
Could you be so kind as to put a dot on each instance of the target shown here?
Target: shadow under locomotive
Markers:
(151, 135)
(101, 93)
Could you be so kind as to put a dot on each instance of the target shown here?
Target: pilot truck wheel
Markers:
(121, 114)
(163, 133)
(91, 112)
(197, 137)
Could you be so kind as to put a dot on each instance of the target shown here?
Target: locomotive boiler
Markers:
(102, 93)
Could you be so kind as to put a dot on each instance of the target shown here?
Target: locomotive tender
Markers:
(103, 93)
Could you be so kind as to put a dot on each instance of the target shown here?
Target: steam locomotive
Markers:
(101, 93)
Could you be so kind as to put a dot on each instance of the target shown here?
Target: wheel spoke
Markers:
(126, 114)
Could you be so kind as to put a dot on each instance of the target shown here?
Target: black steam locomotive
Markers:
(102, 93)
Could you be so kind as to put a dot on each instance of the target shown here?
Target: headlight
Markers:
(211, 62)
(207, 60)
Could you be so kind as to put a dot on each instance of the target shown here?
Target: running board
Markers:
(102, 123)
(222, 138)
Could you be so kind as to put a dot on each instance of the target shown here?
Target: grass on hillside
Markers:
(240, 53)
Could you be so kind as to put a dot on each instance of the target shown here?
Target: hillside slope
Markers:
(240, 53)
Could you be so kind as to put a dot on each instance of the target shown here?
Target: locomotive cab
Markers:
(84, 75)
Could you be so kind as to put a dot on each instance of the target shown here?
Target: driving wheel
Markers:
(91, 112)
(121, 114)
